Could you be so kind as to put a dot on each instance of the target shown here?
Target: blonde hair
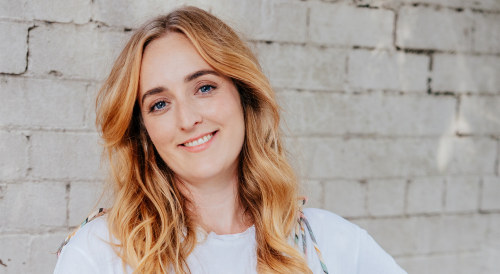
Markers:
(149, 216)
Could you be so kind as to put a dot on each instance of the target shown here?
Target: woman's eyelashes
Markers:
(158, 106)
(206, 89)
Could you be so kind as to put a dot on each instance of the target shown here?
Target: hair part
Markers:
(149, 216)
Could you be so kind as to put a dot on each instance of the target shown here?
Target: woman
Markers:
(190, 126)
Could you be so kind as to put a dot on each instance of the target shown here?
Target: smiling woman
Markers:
(201, 181)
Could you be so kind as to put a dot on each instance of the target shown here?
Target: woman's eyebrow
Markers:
(199, 73)
(152, 92)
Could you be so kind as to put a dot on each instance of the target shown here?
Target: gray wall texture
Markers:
(393, 105)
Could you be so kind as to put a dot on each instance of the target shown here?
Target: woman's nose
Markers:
(188, 115)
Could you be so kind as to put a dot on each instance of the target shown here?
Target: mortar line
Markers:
(68, 189)
(457, 115)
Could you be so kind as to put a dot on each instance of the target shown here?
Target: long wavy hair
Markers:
(149, 217)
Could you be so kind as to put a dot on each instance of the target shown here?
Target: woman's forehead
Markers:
(169, 59)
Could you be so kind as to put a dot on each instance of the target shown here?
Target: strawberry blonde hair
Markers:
(149, 215)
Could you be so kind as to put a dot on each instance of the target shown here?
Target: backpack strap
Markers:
(98, 213)
(301, 221)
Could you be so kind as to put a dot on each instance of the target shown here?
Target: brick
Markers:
(16, 255)
(90, 114)
(487, 32)
(425, 196)
(27, 207)
(131, 13)
(493, 235)
(246, 16)
(14, 44)
(490, 198)
(386, 197)
(76, 11)
(462, 194)
(388, 70)
(427, 235)
(73, 51)
(14, 161)
(275, 20)
(468, 262)
(382, 158)
(303, 67)
(314, 192)
(13, 9)
(283, 20)
(43, 247)
(479, 115)
(323, 113)
(83, 198)
(345, 198)
(66, 11)
(59, 155)
(462, 73)
(428, 28)
(339, 24)
(44, 102)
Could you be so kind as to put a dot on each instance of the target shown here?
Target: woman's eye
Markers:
(158, 106)
(206, 89)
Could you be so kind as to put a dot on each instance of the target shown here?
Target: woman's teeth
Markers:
(200, 141)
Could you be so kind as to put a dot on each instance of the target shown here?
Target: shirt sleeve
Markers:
(74, 261)
(372, 259)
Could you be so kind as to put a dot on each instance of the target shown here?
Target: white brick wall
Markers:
(479, 115)
(386, 197)
(425, 196)
(462, 194)
(387, 70)
(392, 106)
(55, 48)
(490, 192)
(466, 74)
(14, 149)
(59, 155)
(14, 47)
(315, 113)
(310, 67)
(487, 32)
(338, 158)
(33, 206)
(43, 102)
(339, 24)
(429, 28)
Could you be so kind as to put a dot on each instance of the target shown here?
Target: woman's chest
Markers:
(220, 257)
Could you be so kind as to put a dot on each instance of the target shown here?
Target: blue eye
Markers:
(206, 89)
(158, 106)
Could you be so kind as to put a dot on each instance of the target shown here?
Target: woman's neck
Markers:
(216, 206)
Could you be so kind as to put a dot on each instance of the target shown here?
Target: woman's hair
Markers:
(149, 216)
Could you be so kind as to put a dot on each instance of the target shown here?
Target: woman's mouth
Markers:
(200, 140)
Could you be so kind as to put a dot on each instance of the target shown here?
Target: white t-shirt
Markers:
(346, 249)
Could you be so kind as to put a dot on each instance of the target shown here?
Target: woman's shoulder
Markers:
(347, 247)
(91, 234)
(88, 250)
(324, 221)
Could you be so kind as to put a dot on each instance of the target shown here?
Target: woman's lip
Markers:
(201, 147)
(198, 137)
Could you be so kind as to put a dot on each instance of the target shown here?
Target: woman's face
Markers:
(192, 114)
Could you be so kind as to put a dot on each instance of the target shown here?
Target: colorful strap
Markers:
(301, 221)
(91, 217)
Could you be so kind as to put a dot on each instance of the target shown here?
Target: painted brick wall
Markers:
(393, 108)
